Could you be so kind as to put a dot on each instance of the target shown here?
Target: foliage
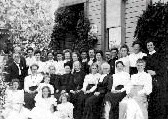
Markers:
(153, 25)
(72, 20)
(28, 20)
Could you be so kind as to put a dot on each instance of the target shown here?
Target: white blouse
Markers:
(141, 79)
(60, 67)
(30, 61)
(32, 81)
(121, 78)
(91, 79)
(126, 62)
(134, 57)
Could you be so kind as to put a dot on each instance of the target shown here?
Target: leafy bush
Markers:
(153, 25)
(71, 19)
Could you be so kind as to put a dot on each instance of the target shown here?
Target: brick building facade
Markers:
(115, 19)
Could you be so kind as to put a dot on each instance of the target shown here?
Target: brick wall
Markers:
(94, 15)
(133, 9)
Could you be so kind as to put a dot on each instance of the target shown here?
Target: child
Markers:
(46, 83)
(44, 105)
(65, 109)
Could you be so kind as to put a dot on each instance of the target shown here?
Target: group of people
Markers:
(86, 85)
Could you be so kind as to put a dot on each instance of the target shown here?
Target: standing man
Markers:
(114, 57)
(17, 69)
(91, 57)
(107, 55)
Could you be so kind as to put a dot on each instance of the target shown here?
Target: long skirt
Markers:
(81, 104)
(113, 100)
(29, 98)
(93, 107)
(135, 107)
(157, 101)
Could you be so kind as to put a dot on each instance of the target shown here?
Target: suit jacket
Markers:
(13, 70)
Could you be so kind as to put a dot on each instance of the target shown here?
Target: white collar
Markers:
(151, 53)
(92, 58)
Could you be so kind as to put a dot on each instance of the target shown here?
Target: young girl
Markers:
(46, 83)
(65, 109)
(44, 105)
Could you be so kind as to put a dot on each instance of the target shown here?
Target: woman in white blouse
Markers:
(124, 58)
(137, 53)
(89, 86)
(14, 102)
(118, 92)
(134, 105)
(30, 85)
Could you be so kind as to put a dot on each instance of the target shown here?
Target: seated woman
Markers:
(44, 105)
(78, 83)
(30, 85)
(14, 108)
(66, 81)
(118, 92)
(46, 83)
(65, 109)
(93, 104)
(89, 86)
(134, 105)
(54, 78)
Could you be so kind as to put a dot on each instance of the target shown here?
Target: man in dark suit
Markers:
(17, 69)
(114, 57)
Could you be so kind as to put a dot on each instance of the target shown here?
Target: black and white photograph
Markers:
(83, 59)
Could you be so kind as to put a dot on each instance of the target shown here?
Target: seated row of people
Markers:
(91, 96)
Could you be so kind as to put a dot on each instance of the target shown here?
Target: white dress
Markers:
(41, 85)
(65, 111)
(14, 108)
(42, 109)
(136, 107)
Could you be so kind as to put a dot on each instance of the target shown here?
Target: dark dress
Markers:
(157, 99)
(54, 79)
(78, 84)
(66, 82)
(94, 104)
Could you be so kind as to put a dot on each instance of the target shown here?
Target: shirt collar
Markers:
(151, 53)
